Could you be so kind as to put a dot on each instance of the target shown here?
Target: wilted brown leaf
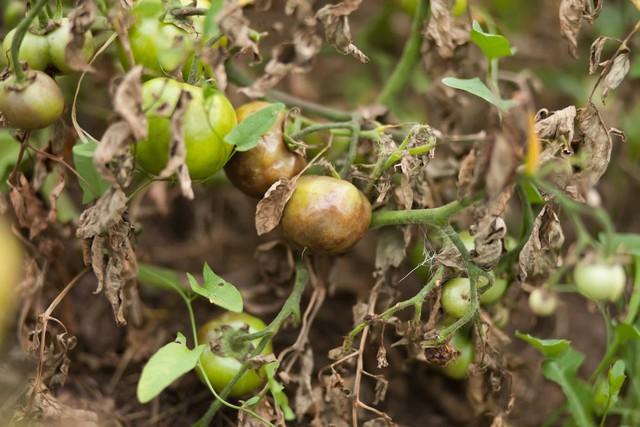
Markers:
(616, 73)
(270, 208)
(30, 210)
(391, 248)
(556, 125)
(571, 14)
(443, 30)
(335, 19)
(595, 145)
(127, 102)
(177, 147)
(81, 18)
(539, 256)
(235, 26)
(596, 53)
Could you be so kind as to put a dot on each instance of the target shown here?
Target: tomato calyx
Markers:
(226, 341)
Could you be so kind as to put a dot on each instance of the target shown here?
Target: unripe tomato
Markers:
(326, 214)
(14, 13)
(255, 170)
(162, 47)
(543, 302)
(59, 39)
(205, 123)
(34, 50)
(458, 368)
(456, 294)
(468, 240)
(10, 272)
(600, 280)
(34, 104)
(416, 258)
(221, 362)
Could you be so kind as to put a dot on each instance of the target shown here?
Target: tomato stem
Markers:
(21, 30)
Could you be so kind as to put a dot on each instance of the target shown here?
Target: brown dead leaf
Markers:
(177, 148)
(29, 208)
(443, 31)
(81, 18)
(556, 125)
(266, 410)
(104, 215)
(121, 20)
(270, 208)
(571, 15)
(48, 410)
(235, 26)
(489, 237)
(391, 248)
(335, 19)
(540, 255)
(596, 52)
(595, 145)
(127, 102)
(616, 74)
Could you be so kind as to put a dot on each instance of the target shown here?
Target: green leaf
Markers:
(493, 45)
(217, 290)
(277, 391)
(626, 242)
(158, 277)
(476, 87)
(550, 348)
(247, 133)
(92, 184)
(563, 371)
(625, 332)
(165, 366)
(616, 378)
(531, 192)
(211, 29)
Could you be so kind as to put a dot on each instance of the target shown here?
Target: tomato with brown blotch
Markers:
(257, 169)
(326, 214)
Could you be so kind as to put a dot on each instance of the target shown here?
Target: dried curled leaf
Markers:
(335, 19)
(29, 208)
(270, 208)
(539, 256)
(127, 102)
(596, 52)
(81, 19)
(177, 147)
(443, 31)
(572, 14)
(595, 145)
(557, 124)
(616, 73)
(235, 26)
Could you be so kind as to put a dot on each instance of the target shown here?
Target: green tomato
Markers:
(14, 13)
(458, 368)
(34, 50)
(206, 122)
(10, 272)
(456, 294)
(59, 39)
(34, 104)
(543, 302)
(417, 260)
(468, 240)
(326, 214)
(221, 362)
(599, 280)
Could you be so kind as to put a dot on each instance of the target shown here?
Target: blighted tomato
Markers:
(255, 170)
(58, 41)
(36, 103)
(34, 50)
(206, 121)
(326, 214)
(220, 361)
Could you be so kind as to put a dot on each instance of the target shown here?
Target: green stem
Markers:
(320, 127)
(291, 306)
(240, 79)
(415, 301)
(21, 30)
(434, 216)
(409, 58)
(353, 146)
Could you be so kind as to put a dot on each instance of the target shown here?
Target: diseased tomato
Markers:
(326, 214)
(600, 280)
(58, 41)
(33, 104)
(255, 170)
(205, 123)
(221, 362)
(458, 368)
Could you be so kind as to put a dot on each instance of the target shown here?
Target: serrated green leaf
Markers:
(277, 391)
(247, 133)
(476, 87)
(165, 366)
(92, 184)
(563, 371)
(211, 29)
(217, 290)
(492, 45)
(550, 348)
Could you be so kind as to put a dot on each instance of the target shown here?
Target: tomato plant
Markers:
(207, 119)
(326, 214)
(255, 170)
(34, 104)
(221, 360)
(455, 294)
